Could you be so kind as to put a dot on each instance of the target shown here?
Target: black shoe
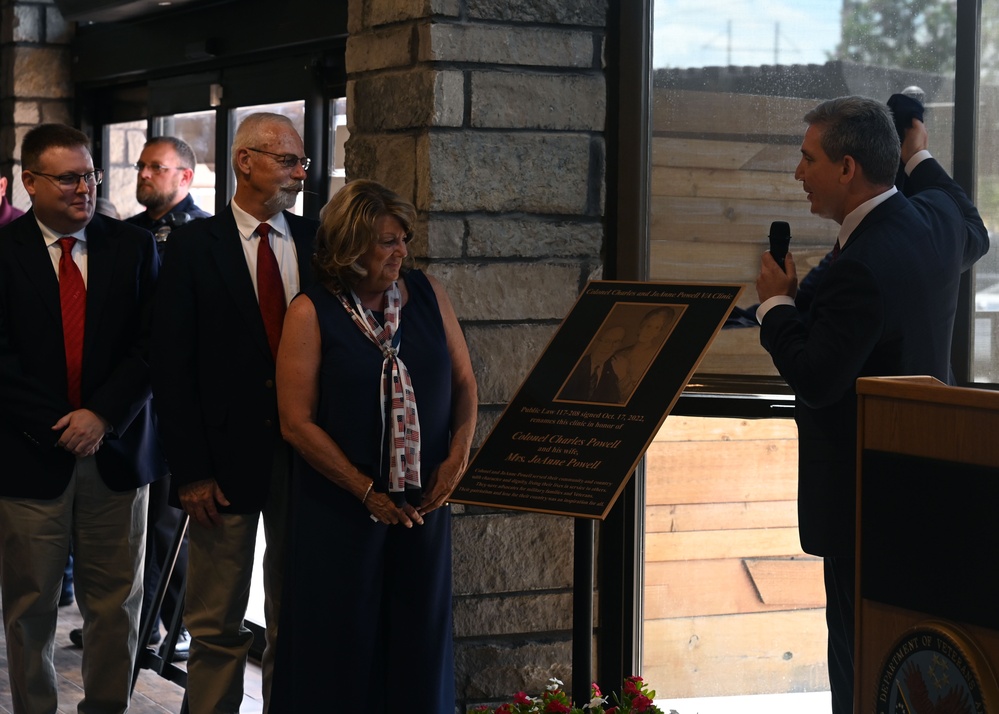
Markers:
(76, 637)
(183, 646)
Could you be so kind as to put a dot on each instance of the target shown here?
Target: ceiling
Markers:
(87, 11)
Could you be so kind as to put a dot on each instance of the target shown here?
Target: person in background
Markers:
(372, 356)
(163, 184)
(7, 211)
(884, 305)
(217, 321)
(76, 426)
(165, 171)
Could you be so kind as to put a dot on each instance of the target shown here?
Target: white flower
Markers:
(554, 684)
(596, 702)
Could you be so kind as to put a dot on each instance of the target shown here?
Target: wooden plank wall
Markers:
(722, 171)
(732, 605)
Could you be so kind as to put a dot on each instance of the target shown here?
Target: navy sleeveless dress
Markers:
(366, 610)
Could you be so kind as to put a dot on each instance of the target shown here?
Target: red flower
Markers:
(521, 698)
(594, 690)
(505, 709)
(630, 687)
(641, 702)
(557, 707)
(612, 710)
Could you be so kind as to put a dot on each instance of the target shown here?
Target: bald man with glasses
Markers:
(76, 430)
(217, 321)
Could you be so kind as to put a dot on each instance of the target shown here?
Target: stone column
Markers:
(35, 84)
(489, 115)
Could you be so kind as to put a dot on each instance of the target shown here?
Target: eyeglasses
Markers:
(67, 181)
(286, 160)
(156, 168)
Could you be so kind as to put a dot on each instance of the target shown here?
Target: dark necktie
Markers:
(73, 300)
(594, 379)
(270, 289)
(836, 250)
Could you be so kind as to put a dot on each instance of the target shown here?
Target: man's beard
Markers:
(284, 198)
(155, 200)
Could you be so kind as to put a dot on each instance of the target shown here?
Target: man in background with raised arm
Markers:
(882, 304)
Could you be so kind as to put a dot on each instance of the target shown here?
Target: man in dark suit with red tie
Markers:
(226, 282)
(882, 303)
(76, 429)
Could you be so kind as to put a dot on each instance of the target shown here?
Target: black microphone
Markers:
(780, 239)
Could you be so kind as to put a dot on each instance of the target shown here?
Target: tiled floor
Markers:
(153, 695)
(811, 703)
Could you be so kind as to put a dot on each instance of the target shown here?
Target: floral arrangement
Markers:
(635, 697)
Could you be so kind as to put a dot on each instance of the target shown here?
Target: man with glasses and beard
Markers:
(165, 171)
(225, 284)
(163, 183)
(76, 429)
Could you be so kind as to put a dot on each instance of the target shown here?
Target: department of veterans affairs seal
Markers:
(935, 669)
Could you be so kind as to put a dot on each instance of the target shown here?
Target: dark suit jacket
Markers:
(213, 372)
(578, 385)
(885, 307)
(122, 267)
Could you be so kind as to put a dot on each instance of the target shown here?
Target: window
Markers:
(985, 333)
(122, 145)
(733, 610)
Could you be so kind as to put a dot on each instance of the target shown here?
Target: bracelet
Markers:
(366, 493)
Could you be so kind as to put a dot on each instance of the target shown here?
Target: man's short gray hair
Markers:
(862, 128)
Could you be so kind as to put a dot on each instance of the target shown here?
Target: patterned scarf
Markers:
(399, 466)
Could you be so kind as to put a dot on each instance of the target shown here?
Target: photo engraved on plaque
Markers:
(580, 422)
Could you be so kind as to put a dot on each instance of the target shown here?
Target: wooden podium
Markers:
(927, 548)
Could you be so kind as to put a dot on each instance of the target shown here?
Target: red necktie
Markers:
(73, 300)
(270, 289)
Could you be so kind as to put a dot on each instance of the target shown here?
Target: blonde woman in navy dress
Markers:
(377, 396)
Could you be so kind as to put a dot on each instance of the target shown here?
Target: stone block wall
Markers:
(35, 84)
(489, 115)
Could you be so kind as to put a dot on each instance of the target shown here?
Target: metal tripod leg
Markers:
(160, 660)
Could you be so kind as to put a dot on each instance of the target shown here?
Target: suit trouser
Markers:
(107, 529)
(219, 568)
(840, 581)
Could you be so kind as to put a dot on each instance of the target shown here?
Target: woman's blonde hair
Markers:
(347, 230)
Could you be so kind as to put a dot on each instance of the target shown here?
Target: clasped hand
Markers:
(384, 510)
(82, 432)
